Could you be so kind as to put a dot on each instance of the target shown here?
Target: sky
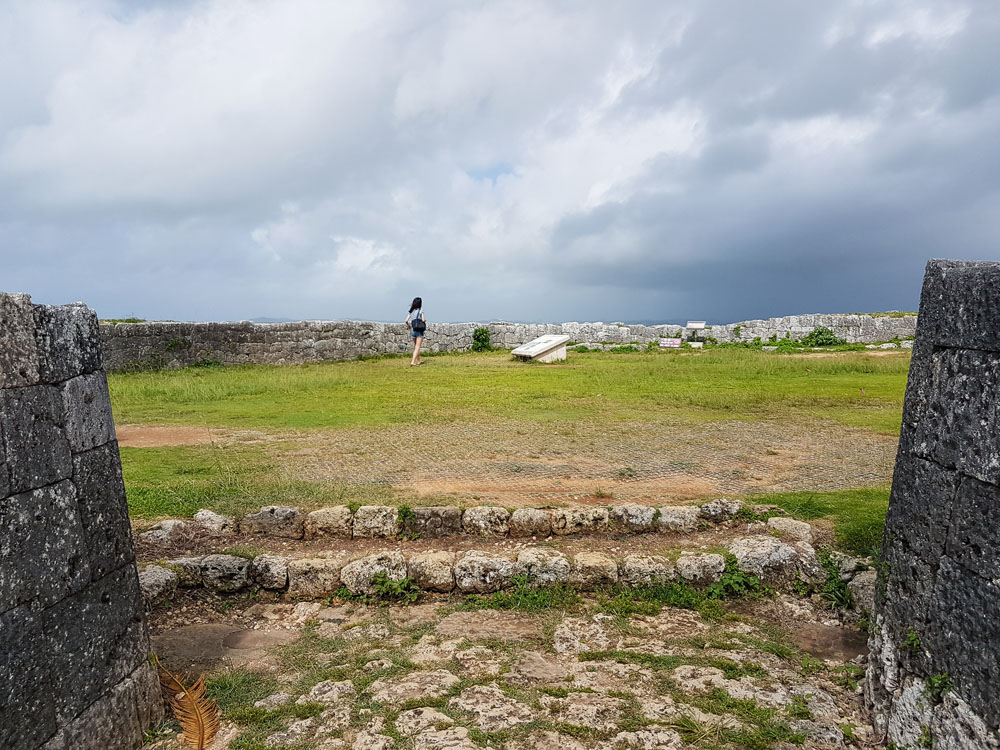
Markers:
(548, 161)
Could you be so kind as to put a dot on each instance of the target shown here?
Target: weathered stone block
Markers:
(972, 533)
(579, 520)
(961, 635)
(770, 559)
(225, 573)
(18, 351)
(432, 571)
(682, 518)
(721, 509)
(526, 522)
(637, 570)
(333, 522)
(592, 569)
(920, 504)
(43, 555)
(216, 523)
(482, 573)
(486, 520)
(960, 305)
(313, 576)
(359, 576)
(188, 570)
(376, 522)
(68, 340)
(862, 588)
(542, 566)
(35, 443)
(26, 695)
(789, 528)
(87, 406)
(274, 520)
(701, 569)
(157, 583)
(95, 638)
(112, 723)
(957, 426)
(631, 518)
(100, 496)
(435, 521)
(269, 572)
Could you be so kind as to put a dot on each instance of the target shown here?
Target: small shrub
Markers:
(912, 642)
(938, 685)
(822, 336)
(481, 340)
(737, 330)
(525, 596)
(207, 363)
(625, 349)
(404, 592)
(835, 591)
(735, 583)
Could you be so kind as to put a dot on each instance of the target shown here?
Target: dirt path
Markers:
(514, 464)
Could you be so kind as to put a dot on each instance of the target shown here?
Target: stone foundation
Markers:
(74, 670)
(934, 676)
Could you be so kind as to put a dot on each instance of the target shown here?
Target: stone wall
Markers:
(74, 670)
(934, 675)
(142, 345)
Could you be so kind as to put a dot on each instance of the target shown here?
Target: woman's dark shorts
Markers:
(417, 334)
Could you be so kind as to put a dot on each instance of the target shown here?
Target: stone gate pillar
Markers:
(934, 674)
(74, 668)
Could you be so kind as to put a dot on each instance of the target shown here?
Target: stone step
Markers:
(391, 522)
(475, 571)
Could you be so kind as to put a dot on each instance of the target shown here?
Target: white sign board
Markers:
(670, 343)
(548, 348)
(696, 325)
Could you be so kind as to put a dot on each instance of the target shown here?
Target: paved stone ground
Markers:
(512, 464)
(434, 676)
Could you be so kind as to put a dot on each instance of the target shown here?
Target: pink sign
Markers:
(670, 343)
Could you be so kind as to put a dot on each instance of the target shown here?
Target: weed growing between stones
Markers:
(938, 685)
(386, 591)
(834, 591)
(523, 596)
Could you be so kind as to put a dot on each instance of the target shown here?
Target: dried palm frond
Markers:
(197, 714)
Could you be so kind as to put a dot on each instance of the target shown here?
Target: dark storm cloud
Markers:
(518, 160)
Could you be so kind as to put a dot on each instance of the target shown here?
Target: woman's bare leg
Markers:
(416, 350)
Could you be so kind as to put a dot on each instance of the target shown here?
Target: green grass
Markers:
(180, 480)
(858, 515)
(595, 389)
(855, 389)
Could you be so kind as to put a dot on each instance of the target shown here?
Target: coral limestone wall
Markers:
(74, 673)
(934, 677)
(141, 345)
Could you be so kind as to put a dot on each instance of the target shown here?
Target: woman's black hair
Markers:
(416, 304)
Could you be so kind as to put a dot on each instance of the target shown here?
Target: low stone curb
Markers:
(429, 522)
(777, 563)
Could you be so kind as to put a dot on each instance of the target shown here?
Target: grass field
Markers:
(594, 403)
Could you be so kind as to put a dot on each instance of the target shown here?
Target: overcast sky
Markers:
(564, 160)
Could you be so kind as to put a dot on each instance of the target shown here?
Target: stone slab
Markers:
(435, 521)
(68, 338)
(95, 639)
(43, 555)
(35, 443)
(28, 702)
(87, 405)
(100, 495)
(18, 351)
(543, 348)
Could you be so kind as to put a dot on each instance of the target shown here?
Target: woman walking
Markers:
(418, 326)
